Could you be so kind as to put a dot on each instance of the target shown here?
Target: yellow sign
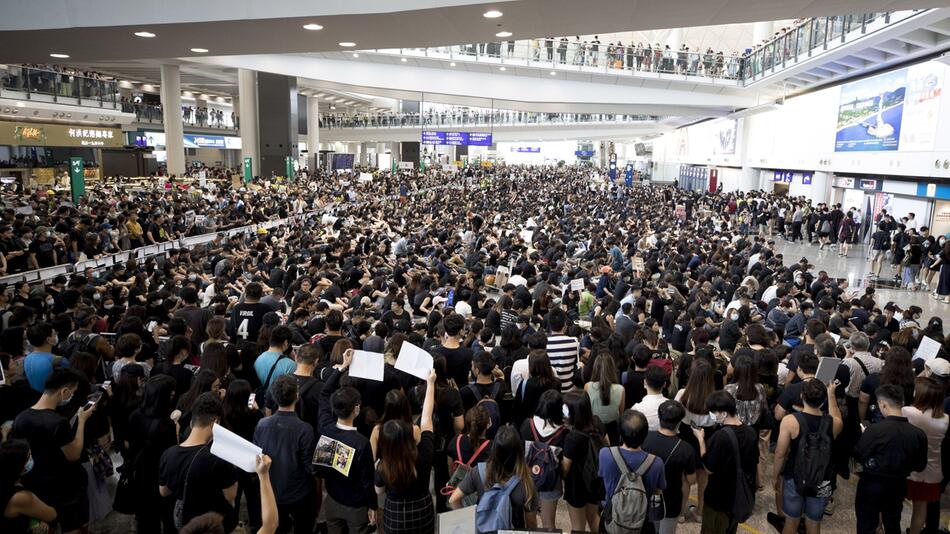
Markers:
(39, 134)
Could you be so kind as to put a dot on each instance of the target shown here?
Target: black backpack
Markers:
(812, 468)
(744, 501)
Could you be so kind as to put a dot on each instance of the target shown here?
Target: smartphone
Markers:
(151, 326)
(250, 400)
(92, 400)
(107, 384)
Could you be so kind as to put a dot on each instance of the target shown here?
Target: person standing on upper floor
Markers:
(732, 443)
(889, 451)
(562, 349)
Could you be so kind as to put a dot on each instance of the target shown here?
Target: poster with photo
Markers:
(870, 113)
(922, 106)
(334, 454)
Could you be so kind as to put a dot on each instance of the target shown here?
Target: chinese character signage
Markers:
(59, 135)
(77, 179)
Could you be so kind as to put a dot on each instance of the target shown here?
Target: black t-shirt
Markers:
(458, 361)
(247, 320)
(634, 388)
(43, 251)
(54, 479)
(880, 240)
(679, 458)
(419, 487)
(720, 460)
(208, 476)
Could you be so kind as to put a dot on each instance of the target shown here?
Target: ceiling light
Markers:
(492, 14)
(403, 60)
(312, 27)
(347, 44)
(553, 73)
(503, 69)
(60, 56)
(452, 64)
(356, 55)
(200, 50)
(147, 35)
(503, 34)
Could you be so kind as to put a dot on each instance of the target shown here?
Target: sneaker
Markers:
(777, 521)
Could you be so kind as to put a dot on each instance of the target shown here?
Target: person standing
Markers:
(679, 461)
(290, 442)
(809, 428)
(924, 487)
(633, 434)
(733, 442)
(889, 451)
(562, 349)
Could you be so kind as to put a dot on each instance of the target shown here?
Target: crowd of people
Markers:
(461, 116)
(630, 354)
(59, 80)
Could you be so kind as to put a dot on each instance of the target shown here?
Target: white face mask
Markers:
(719, 418)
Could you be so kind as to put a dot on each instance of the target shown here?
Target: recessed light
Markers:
(355, 54)
(452, 64)
(147, 35)
(60, 56)
(312, 27)
(347, 44)
(403, 60)
(503, 34)
(503, 68)
(492, 14)
(200, 50)
(553, 73)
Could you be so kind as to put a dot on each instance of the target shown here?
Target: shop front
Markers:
(898, 196)
(34, 154)
(200, 149)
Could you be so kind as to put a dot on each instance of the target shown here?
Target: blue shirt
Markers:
(37, 367)
(655, 478)
(265, 361)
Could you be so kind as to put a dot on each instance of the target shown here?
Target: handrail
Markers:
(33, 81)
(474, 118)
(48, 273)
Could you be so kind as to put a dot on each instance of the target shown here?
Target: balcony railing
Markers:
(29, 83)
(191, 116)
(572, 56)
(475, 118)
(812, 37)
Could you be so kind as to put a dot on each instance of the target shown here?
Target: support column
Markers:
(247, 118)
(313, 133)
(171, 115)
(762, 31)
(277, 124)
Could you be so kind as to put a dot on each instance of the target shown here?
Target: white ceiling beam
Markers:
(871, 55)
(897, 48)
(942, 27)
(921, 37)
(852, 62)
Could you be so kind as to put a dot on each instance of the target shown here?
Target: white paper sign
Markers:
(368, 365)
(414, 361)
(827, 367)
(527, 235)
(234, 449)
(835, 337)
(577, 284)
(927, 350)
(365, 177)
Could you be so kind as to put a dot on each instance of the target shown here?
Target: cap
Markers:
(939, 367)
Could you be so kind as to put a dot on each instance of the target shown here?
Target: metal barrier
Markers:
(48, 273)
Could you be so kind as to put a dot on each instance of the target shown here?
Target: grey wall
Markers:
(409, 151)
(277, 122)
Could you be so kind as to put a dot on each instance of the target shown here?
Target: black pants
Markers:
(879, 500)
(301, 515)
(796, 231)
(250, 488)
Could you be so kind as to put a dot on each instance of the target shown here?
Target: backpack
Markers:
(627, 509)
(491, 404)
(493, 511)
(589, 475)
(542, 462)
(813, 459)
(77, 343)
(460, 471)
(744, 500)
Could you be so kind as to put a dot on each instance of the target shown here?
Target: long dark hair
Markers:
(605, 374)
(158, 397)
(396, 407)
(539, 366)
(899, 371)
(507, 459)
(699, 387)
(477, 422)
(744, 374)
(202, 383)
(14, 453)
(397, 454)
(235, 402)
(580, 416)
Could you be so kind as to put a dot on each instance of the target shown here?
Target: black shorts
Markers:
(73, 514)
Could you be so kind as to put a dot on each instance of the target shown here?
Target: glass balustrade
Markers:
(469, 118)
(25, 82)
(191, 116)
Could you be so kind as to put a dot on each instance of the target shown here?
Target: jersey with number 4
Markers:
(247, 320)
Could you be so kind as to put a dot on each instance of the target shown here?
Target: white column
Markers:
(675, 39)
(247, 91)
(313, 133)
(762, 31)
(171, 115)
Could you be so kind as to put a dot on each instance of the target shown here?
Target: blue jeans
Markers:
(794, 505)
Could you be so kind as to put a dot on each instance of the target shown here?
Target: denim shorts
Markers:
(794, 505)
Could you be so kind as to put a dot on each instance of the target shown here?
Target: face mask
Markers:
(65, 401)
(734, 316)
(719, 418)
(192, 277)
(28, 467)
(27, 242)
(96, 296)
(565, 411)
(108, 306)
(49, 302)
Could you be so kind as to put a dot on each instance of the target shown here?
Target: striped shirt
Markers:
(562, 353)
